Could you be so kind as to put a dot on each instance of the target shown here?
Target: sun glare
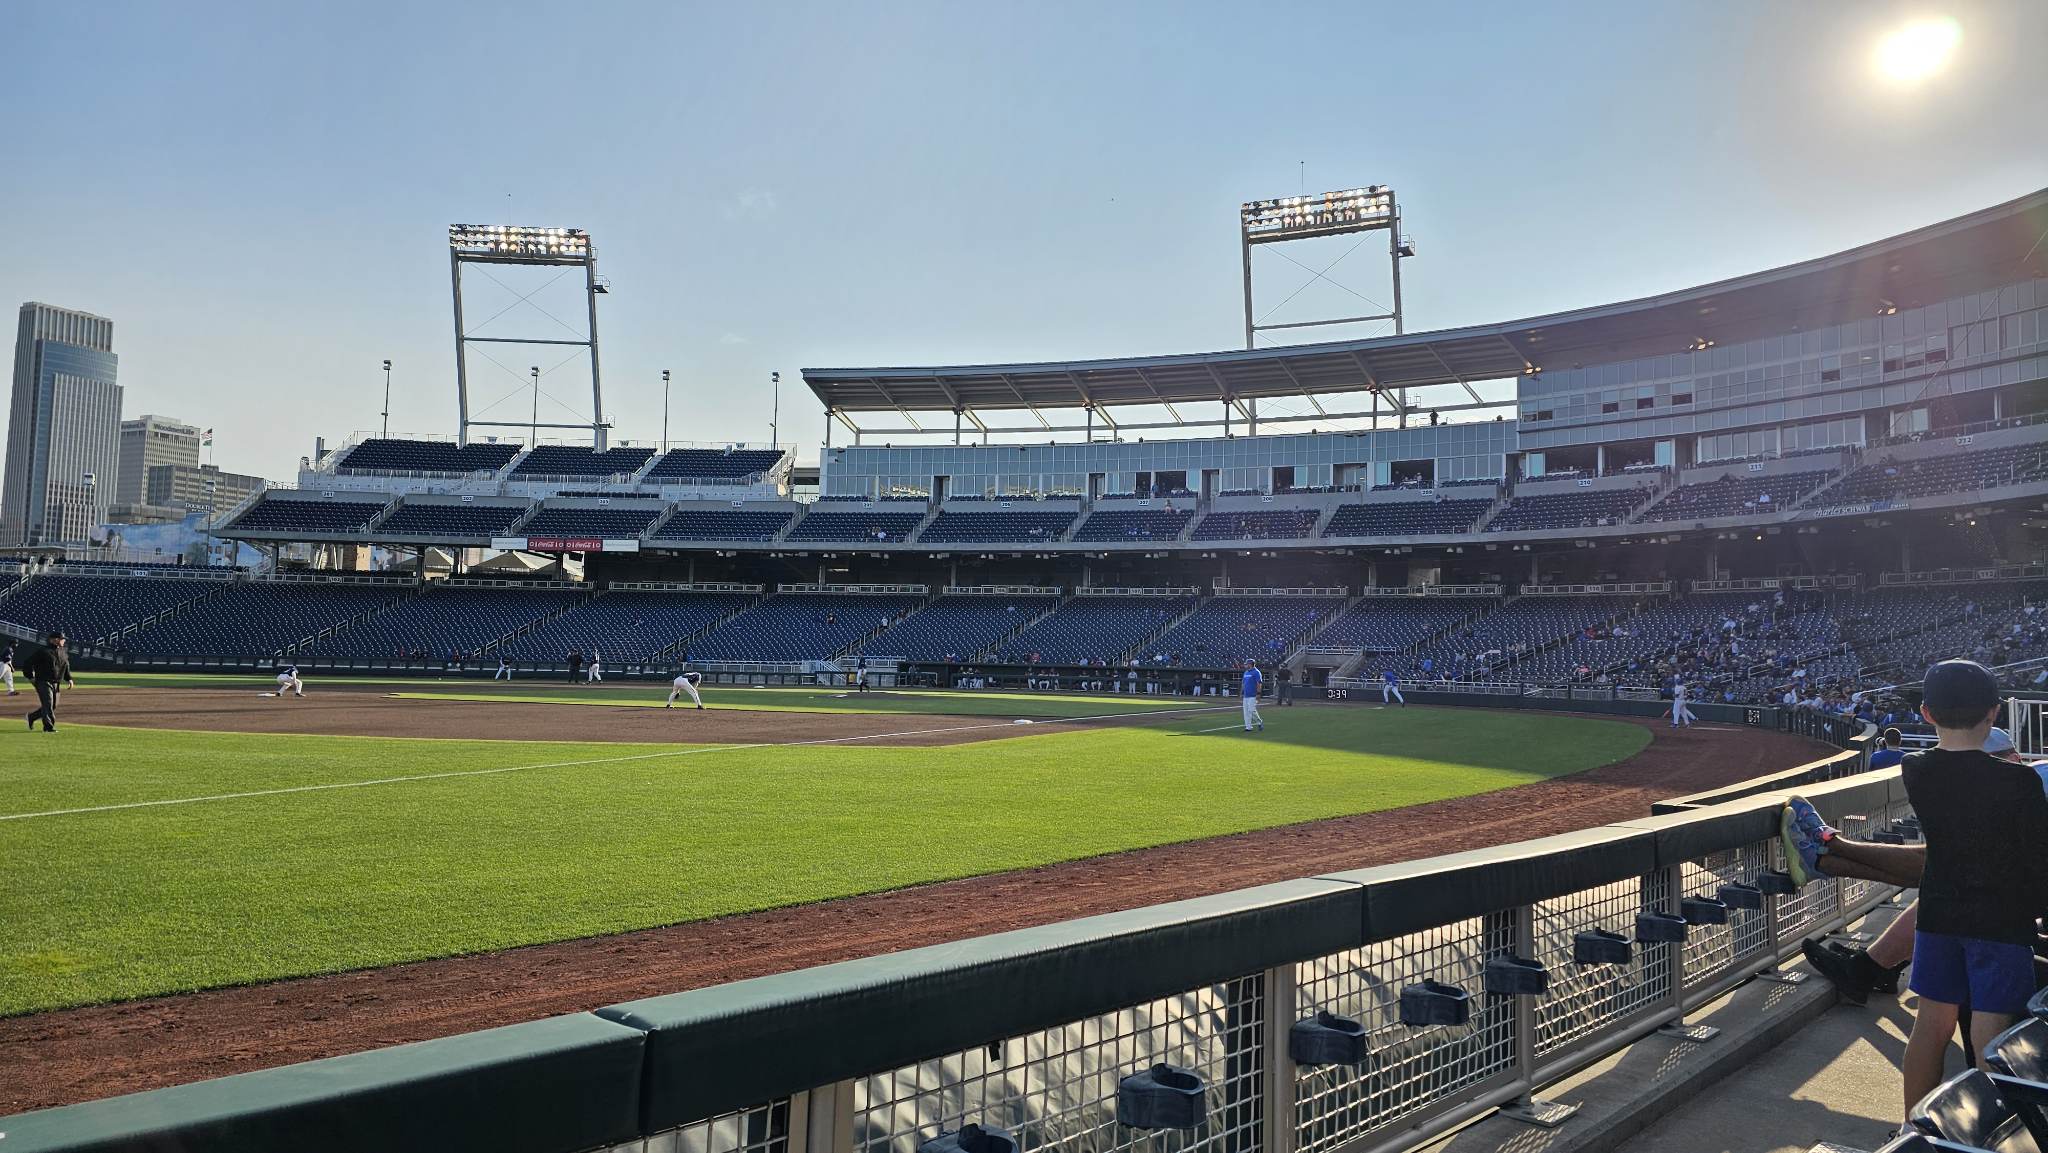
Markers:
(1918, 50)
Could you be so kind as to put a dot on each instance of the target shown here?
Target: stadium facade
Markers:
(1865, 421)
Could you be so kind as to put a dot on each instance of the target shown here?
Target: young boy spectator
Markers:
(1889, 751)
(1985, 881)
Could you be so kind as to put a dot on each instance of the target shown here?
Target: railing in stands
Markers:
(1480, 590)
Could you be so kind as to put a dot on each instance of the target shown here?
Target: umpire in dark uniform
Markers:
(50, 670)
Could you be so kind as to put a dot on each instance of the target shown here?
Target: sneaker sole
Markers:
(1788, 835)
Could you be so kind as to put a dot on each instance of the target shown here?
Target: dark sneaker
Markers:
(1839, 968)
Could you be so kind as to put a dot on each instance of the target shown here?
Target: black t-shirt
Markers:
(1986, 825)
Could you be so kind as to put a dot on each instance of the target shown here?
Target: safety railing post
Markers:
(1528, 1107)
(1279, 1105)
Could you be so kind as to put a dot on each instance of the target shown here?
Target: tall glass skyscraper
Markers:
(64, 428)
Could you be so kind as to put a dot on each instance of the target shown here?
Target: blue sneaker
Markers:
(1805, 836)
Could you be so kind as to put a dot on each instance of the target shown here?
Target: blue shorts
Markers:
(1988, 976)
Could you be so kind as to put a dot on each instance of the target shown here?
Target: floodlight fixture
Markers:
(520, 244)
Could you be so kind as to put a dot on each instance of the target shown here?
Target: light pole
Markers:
(664, 410)
(387, 397)
(533, 431)
(775, 414)
(211, 487)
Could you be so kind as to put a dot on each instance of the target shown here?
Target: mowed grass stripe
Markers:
(149, 901)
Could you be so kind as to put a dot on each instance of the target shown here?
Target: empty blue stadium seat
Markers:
(569, 460)
(386, 456)
(959, 627)
(1259, 524)
(1407, 518)
(259, 618)
(1135, 525)
(325, 517)
(1735, 495)
(90, 609)
(630, 625)
(868, 526)
(446, 619)
(452, 520)
(801, 626)
(996, 527)
(736, 466)
(601, 523)
(725, 524)
(1568, 508)
(1091, 628)
(1226, 630)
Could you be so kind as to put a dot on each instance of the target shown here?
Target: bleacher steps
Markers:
(1144, 646)
(988, 652)
(303, 643)
(915, 535)
(1501, 501)
(546, 619)
(682, 644)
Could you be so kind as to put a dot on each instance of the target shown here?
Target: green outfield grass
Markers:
(584, 839)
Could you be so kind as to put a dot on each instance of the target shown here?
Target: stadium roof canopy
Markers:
(1995, 246)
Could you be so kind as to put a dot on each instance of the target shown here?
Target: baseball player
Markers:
(860, 674)
(594, 672)
(685, 682)
(504, 668)
(7, 669)
(288, 683)
(1252, 681)
(1680, 715)
(1390, 686)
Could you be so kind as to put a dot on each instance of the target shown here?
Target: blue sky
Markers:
(258, 193)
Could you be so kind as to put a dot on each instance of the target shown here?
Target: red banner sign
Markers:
(564, 544)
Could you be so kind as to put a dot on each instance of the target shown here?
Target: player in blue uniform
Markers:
(1252, 681)
(1390, 686)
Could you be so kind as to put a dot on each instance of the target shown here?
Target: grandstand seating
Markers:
(996, 527)
(1392, 623)
(1571, 508)
(613, 523)
(314, 516)
(451, 520)
(91, 608)
(959, 627)
(855, 526)
(724, 524)
(629, 626)
(800, 626)
(1518, 628)
(714, 465)
(381, 455)
(1890, 479)
(1259, 524)
(1092, 628)
(1736, 494)
(1407, 518)
(1147, 524)
(259, 618)
(1227, 629)
(444, 620)
(569, 460)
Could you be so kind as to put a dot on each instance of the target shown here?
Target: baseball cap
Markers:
(1956, 687)
(1998, 741)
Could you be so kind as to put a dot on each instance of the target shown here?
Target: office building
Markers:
(64, 427)
(147, 442)
(184, 486)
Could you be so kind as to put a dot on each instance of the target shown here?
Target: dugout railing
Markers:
(1631, 925)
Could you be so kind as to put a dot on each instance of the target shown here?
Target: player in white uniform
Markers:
(860, 675)
(504, 668)
(593, 672)
(685, 683)
(1680, 715)
(7, 669)
(288, 683)
(1252, 681)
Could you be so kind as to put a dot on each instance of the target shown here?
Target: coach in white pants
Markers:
(1680, 715)
(1252, 681)
(1390, 688)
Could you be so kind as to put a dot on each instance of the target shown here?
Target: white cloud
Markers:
(732, 338)
(751, 204)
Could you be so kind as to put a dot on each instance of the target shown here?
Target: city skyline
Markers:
(280, 225)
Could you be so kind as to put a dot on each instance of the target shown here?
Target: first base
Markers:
(266, 694)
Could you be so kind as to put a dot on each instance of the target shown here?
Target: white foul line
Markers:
(1011, 725)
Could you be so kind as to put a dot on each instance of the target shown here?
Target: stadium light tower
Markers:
(1324, 214)
(523, 245)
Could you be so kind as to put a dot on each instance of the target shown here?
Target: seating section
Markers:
(1128, 525)
(569, 460)
(1891, 479)
(445, 620)
(1094, 628)
(91, 608)
(876, 527)
(724, 524)
(801, 626)
(1571, 508)
(600, 523)
(326, 517)
(630, 626)
(737, 466)
(1260, 524)
(1736, 494)
(996, 527)
(385, 456)
(259, 618)
(1513, 632)
(959, 627)
(1407, 518)
(1226, 630)
(1388, 624)
(452, 520)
